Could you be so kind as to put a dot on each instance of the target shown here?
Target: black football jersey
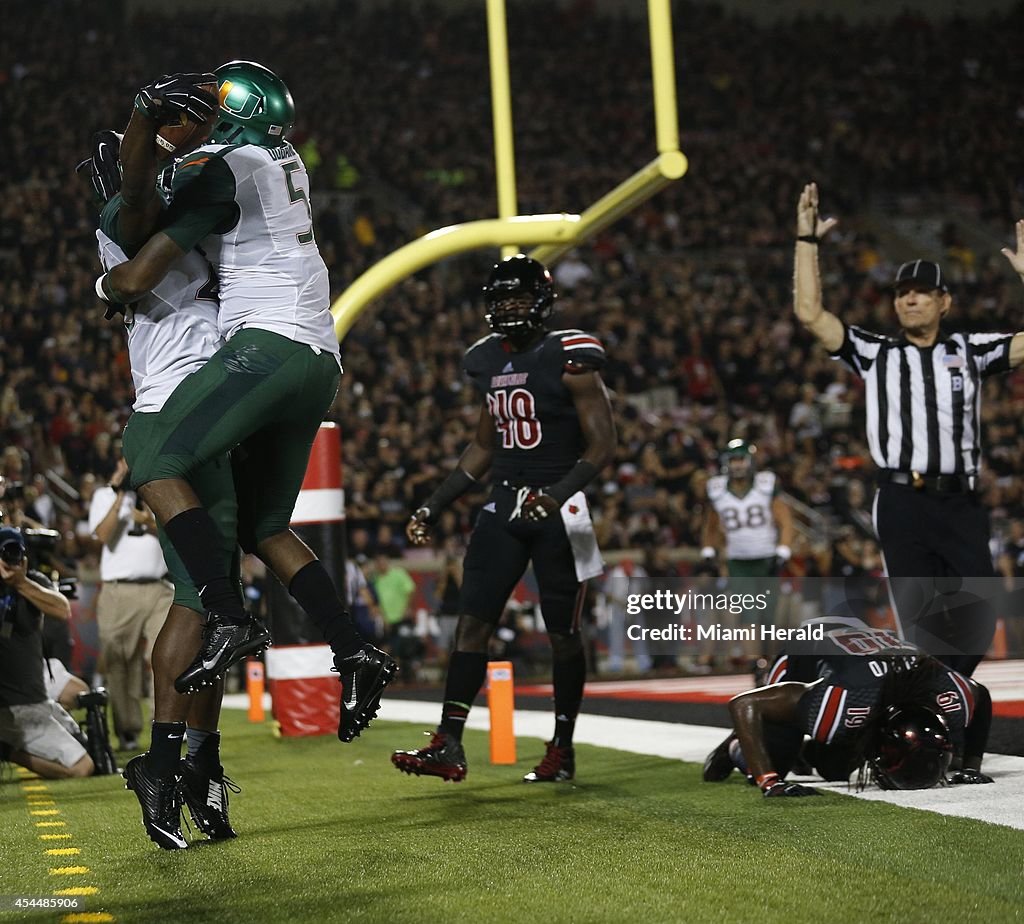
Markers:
(852, 662)
(538, 430)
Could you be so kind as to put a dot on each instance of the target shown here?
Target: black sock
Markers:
(196, 539)
(165, 748)
(204, 750)
(314, 591)
(568, 677)
(466, 673)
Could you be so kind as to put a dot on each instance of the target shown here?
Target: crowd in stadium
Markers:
(691, 293)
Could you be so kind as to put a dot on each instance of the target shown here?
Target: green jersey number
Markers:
(298, 195)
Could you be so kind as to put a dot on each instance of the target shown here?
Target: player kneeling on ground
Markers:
(869, 702)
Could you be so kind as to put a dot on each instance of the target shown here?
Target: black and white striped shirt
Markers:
(924, 403)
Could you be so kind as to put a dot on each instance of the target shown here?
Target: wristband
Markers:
(808, 239)
(766, 780)
(708, 552)
(784, 552)
(100, 294)
(578, 477)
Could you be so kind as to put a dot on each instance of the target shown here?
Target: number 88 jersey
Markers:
(747, 520)
(538, 434)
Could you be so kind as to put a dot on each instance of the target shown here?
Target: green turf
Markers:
(331, 832)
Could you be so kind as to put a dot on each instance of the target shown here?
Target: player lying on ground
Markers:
(869, 702)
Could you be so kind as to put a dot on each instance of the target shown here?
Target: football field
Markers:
(331, 832)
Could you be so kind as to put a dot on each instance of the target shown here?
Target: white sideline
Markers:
(1001, 803)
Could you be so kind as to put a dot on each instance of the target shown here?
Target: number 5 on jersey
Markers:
(297, 195)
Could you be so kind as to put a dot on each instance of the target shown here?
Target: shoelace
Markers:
(171, 794)
(226, 784)
(438, 741)
(551, 763)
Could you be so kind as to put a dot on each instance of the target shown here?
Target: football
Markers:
(175, 140)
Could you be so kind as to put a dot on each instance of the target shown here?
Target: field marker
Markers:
(501, 704)
(36, 795)
(254, 687)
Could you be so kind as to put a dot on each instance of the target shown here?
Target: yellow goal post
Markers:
(551, 236)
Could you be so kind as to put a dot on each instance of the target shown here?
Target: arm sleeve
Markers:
(991, 353)
(830, 713)
(977, 730)
(204, 201)
(474, 367)
(859, 349)
(582, 352)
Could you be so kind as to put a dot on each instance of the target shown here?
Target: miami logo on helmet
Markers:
(244, 103)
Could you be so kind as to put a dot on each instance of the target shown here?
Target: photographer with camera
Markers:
(35, 731)
(133, 600)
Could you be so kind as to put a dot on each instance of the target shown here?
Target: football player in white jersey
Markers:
(744, 508)
(172, 332)
(243, 200)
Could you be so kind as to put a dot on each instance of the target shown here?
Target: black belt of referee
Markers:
(134, 580)
(935, 484)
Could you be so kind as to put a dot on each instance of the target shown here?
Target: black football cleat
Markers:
(558, 766)
(718, 765)
(225, 642)
(160, 799)
(363, 675)
(207, 800)
(443, 757)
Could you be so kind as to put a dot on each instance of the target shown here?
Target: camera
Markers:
(12, 553)
(36, 544)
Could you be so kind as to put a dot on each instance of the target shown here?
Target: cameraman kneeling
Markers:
(34, 731)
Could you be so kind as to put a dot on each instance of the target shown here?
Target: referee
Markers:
(923, 396)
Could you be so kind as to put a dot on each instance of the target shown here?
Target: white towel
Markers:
(580, 530)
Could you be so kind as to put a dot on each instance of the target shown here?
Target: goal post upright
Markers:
(501, 108)
(668, 166)
(550, 236)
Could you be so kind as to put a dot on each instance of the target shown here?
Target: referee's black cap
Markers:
(921, 272)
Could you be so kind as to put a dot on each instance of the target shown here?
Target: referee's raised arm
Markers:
(807, 303)
(1016, 259)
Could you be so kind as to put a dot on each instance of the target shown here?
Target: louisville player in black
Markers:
(545, 431)
(867, 699)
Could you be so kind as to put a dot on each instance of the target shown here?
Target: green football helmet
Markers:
(255, 105)
(738, 459)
